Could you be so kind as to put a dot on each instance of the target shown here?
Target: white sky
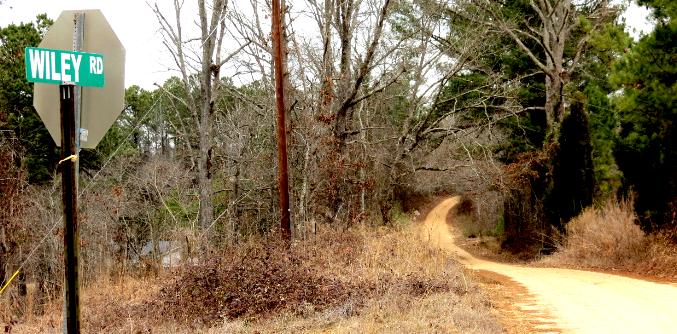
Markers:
(133, 21)
(135, 24)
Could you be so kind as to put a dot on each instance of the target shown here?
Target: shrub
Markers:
(257, 278)
(604, 237)
(609, 238)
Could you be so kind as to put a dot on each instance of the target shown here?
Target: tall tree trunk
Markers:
(344, 19)
(363, 177)
(327, 91)
(304, 190)
(554, 101)
(234, 207)
(208, 38)
(206, 215)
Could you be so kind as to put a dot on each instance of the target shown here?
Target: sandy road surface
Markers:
(573, 301)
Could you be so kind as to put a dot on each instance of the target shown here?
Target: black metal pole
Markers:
(69, 197)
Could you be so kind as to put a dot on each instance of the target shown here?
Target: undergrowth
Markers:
(360, 280)
(258, 278)
(608, 238)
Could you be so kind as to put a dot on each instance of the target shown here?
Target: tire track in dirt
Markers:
(554, 300)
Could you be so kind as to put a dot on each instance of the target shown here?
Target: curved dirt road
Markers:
(572, 301)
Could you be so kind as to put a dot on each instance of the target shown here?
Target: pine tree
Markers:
(17, 115)
(647, 147)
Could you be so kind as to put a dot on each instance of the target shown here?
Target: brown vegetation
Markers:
(258, 278)
(523, 212)
(353, 281)
(608, 238)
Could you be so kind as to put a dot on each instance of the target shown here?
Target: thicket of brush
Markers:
(346, 281)
(609, 238)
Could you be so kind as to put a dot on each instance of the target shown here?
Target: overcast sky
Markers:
(135, 24)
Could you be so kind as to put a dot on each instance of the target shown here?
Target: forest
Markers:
(538, 113)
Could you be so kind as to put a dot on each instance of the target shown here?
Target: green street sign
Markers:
(59, 66)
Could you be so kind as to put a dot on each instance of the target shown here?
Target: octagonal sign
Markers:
(100, 106)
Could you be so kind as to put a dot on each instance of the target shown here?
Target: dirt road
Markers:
(571, 301)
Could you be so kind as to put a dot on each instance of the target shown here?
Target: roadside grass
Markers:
(415, 288)
(607, 238)
(365, 279)
(601, 238)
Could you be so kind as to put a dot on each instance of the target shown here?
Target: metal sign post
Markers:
(71, 112)
(85, 114)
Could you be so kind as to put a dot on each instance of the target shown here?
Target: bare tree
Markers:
(206, 62)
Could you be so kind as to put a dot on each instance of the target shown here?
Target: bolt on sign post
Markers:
(80, 63)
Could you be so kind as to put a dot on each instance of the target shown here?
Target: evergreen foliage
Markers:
(607, 47)
(647, 145)
(572, 174)
(17, 115)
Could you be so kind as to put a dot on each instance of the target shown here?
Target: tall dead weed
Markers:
(608, 238)
(364, 279)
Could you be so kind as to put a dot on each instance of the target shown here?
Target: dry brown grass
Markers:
(604, 237)
(607, 238)
(106, 304)
(662, 255)
(388, 281)
(416, 288)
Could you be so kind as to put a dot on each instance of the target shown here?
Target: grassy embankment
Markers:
(361, 280)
